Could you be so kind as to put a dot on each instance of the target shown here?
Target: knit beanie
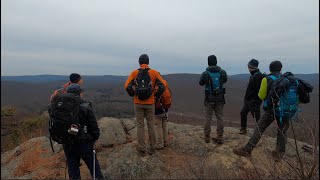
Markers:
(144, 59)
(75, 77)
(74, 88)
(253, 63)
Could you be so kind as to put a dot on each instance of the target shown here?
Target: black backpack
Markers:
(143, 84)
(63, 111)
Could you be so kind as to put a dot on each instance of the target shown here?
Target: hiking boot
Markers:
(218, 139)
(151, 151)
(243, 131)
(165, 144)
(242, 152)
(277, 156)
(142, 153)
(207, 139)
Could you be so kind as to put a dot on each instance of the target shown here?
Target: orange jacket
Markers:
(155, 78)
(166, 98)
(59, 91)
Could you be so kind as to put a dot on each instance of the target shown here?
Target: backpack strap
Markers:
(139, 70)
(208, 72)
(64, 89)
(273, 77)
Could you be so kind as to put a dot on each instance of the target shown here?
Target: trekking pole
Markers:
(94, 164)
(65, 170)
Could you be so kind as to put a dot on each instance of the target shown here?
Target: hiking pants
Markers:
(74, 152)
(218, 110)
(161, 129)
(145, 111)
(244, 113)
(265, 121)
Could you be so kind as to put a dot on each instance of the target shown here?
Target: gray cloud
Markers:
(107, 37)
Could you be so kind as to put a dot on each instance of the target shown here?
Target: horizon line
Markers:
(128, 75)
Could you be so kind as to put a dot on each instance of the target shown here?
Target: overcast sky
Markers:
(94, 37)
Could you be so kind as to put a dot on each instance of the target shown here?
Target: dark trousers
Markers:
(73, 154)
(265, 121)
(245, 111)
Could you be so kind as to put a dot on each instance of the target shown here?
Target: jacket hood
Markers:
(143, 66)
(213, 68)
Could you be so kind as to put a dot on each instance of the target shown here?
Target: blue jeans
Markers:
(73, 154)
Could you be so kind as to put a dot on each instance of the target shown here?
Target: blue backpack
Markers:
(284, 95)
(214, 87)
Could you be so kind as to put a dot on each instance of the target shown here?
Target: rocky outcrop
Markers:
(187, 156)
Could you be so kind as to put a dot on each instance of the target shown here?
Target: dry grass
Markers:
(23, 130)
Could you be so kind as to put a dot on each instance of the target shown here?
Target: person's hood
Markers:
(143, 66)
(213, 68)
(254, 71)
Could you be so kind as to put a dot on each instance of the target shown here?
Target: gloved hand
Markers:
(94, 145)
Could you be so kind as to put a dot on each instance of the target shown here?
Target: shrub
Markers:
(32, 123)
(8, 111)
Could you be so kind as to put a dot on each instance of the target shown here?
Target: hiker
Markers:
(252, 102)
(73, 124)
(281, 95)
(74, 78)
(213, 78)
(140, 85)
(162, 106)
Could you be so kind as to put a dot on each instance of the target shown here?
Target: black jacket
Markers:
(254, 86)
(204, 79)
(87, 118)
